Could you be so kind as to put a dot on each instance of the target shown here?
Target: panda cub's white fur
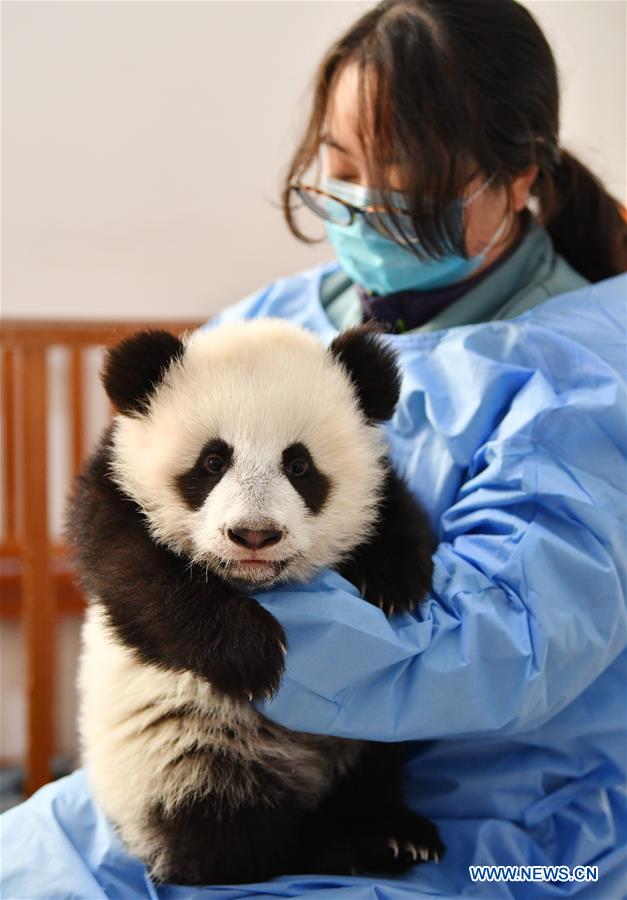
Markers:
(240, 458)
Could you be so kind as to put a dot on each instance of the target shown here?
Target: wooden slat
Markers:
(22, 332)
(9, 523)
(68, 599)
(35, 580)
(77, 405)
(38, 598)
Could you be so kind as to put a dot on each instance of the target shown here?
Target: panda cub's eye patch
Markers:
(211, 464)
(305, 477)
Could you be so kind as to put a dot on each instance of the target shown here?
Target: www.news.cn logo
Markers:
(534, 873)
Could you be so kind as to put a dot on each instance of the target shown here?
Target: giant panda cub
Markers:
(239, 458)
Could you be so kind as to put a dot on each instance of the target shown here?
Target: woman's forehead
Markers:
(346, 126)
(350, 122)
(342, 124)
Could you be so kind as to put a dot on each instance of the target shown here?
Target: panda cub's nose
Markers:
(254, 540)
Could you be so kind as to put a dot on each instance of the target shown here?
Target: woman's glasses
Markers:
(340, 212)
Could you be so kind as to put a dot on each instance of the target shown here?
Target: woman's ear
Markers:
(520, 187)
(133, 368)
(372, 367)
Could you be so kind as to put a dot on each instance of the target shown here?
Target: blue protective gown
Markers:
(512, 676)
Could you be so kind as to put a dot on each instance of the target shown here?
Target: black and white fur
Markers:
(243, 457)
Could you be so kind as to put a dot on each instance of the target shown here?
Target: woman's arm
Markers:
(528, 600)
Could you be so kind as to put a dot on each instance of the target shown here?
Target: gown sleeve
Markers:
(528, 599)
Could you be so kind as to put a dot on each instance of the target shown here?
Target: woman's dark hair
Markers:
(448, 88)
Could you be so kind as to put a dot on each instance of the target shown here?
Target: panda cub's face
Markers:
(248, 447)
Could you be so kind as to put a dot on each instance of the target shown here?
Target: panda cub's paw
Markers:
(398, 590)
(395, 576)
(248, 656)
(385, 841)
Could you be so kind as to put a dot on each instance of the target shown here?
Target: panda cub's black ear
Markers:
(373, 369)
(134, 367)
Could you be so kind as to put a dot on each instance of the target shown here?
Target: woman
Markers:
(434, 129)
(435, 126)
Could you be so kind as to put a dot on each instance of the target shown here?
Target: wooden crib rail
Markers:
(35, 578)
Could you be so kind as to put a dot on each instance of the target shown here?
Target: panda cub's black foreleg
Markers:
(173, 614)
(394, 568)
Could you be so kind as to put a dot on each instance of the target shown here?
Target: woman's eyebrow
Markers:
(330, 142)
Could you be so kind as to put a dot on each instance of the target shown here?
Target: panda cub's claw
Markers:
(417, 854)
(397, 593)
(389, 606)
(408, 847)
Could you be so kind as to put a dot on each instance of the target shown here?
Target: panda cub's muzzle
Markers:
(249, 564)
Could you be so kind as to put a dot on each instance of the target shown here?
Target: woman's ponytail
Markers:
(587, 225)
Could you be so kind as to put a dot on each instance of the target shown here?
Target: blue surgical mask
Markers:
(380, 264)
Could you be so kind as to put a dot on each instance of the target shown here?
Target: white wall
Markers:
(142, 146)
(143, 143)
(143, 149)
(589, 40)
